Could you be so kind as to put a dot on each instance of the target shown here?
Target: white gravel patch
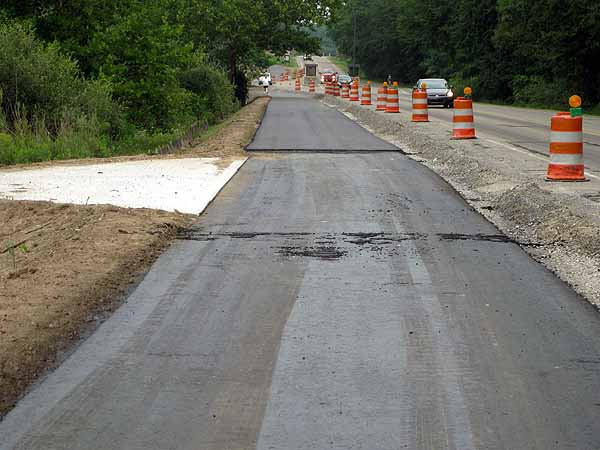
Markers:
(183, 185)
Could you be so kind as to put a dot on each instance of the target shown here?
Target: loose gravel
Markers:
(558, 224)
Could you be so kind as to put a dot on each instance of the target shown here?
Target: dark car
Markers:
(344, 79)
(438, 92)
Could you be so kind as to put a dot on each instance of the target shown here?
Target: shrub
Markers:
(537, 91)
(39, 81)
(213, 94)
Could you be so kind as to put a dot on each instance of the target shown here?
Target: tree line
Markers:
(117, 76)
(535, 52)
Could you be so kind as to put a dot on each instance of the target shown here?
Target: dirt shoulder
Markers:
(64, 268)
(558, 224)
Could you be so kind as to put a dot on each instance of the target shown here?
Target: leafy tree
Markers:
(526, 50)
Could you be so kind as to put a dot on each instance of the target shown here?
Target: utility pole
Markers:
(354, 32)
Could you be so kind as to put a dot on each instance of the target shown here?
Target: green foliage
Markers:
(537, 51)
(538, 91)
(142, 54)
(212, 93)
(104, 77)
(41, 84)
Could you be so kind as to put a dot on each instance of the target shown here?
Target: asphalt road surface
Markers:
(331, 301)
(524, 128)
(311, 126)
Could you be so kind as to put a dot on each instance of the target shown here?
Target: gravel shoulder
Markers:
(64, 268)
(558, 224)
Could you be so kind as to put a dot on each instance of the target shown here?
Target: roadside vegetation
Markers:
(100, 78)
(343, 62)
(535, 53)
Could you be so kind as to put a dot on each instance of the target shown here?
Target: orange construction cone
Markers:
(354, 92)
(420, 113)
(366, 94)
(381, 98)
(328, 88)
(463, 121)
(566, 144)
(345, 90)
(392, 104)
(335, 87)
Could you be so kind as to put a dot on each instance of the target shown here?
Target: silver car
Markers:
(438, 91)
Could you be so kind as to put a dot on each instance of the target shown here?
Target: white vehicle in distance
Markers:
(265, 79)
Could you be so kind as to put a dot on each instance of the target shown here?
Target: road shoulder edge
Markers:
(556, 224)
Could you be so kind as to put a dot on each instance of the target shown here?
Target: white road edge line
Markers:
(533, 155)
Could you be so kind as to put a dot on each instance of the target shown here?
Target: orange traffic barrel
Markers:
(420, 112)
(366, 94)
(463, 122)
(298, 87)
(328, 88)
(335, 88)
(354, 92)
(345, 90)
(381, 98)
(311, 86)
(392, 104)
(566, 148)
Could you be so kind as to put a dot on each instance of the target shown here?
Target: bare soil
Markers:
(64, 268)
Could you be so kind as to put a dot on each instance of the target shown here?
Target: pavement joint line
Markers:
(532, 155)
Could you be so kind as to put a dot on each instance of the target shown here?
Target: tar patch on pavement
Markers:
(321, 252)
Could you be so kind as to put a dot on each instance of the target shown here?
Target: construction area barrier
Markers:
(297, 86)
(345, 90)
(328, 90)
(366, 94)
(392, 104)
(463, 121)
(381, 98)
(354, 92)
(420, 112)
(566, 147)
(311, 86)
(335, 88)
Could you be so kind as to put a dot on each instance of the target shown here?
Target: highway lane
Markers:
(331, 301)
(524, 128)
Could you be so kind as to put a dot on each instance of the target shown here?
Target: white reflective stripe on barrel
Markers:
(560, 158)
(420, 112)
(463, 125)
(419, 101)
(566, 136)
(463, 112)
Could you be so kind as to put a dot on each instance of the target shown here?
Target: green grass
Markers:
(29, 147)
